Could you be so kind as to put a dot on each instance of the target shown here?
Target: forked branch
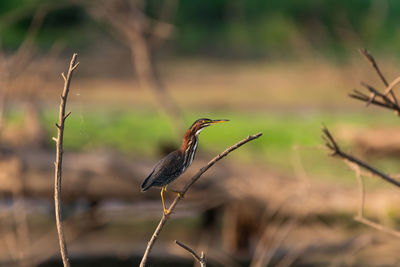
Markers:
(59, 154)
(166, 216)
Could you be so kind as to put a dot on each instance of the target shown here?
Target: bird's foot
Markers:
(167, 212)
(179, 193)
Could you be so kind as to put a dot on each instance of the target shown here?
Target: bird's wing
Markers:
(166, 170)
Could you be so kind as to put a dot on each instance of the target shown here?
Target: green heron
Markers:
(175, 163)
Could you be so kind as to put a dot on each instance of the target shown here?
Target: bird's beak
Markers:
(218, 121)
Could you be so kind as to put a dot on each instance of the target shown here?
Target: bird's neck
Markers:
(189, 141)
(188, 148)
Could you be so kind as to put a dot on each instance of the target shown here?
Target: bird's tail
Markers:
(147, 183)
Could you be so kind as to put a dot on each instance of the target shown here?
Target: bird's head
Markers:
(200, 124)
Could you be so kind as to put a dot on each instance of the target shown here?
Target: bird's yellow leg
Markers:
(162, 199)
(174, 191)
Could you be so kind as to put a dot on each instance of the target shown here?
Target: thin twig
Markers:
(361, 187)
(375, 93)
(336, 151)
(363, 97)
(377, 226)
(58, 162)
(165, 216)
(392, 85)
(372, 61)
(201, 259)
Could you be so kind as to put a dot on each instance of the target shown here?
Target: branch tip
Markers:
(66, 116)
(201, 259)
(75, 66)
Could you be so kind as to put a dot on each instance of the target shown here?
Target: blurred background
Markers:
(148, 69)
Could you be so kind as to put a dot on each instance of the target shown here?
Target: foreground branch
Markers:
(165, 216)
(201, 259)
(336, 151)
(58, 163)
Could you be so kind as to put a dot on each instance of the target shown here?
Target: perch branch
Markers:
(336, 151)
(201, 259)
(166, 216)
(58, 162)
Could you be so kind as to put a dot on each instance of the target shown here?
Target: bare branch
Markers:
(371, 100)
(165, 216)
(58, 162)
(336, 151)
(201, 259)
(376, 93)
(377, 98)
(373, 63)
(355, 164)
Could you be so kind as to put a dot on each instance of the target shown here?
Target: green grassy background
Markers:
(285, 135)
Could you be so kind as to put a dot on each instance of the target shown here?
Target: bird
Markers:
(177, 162)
